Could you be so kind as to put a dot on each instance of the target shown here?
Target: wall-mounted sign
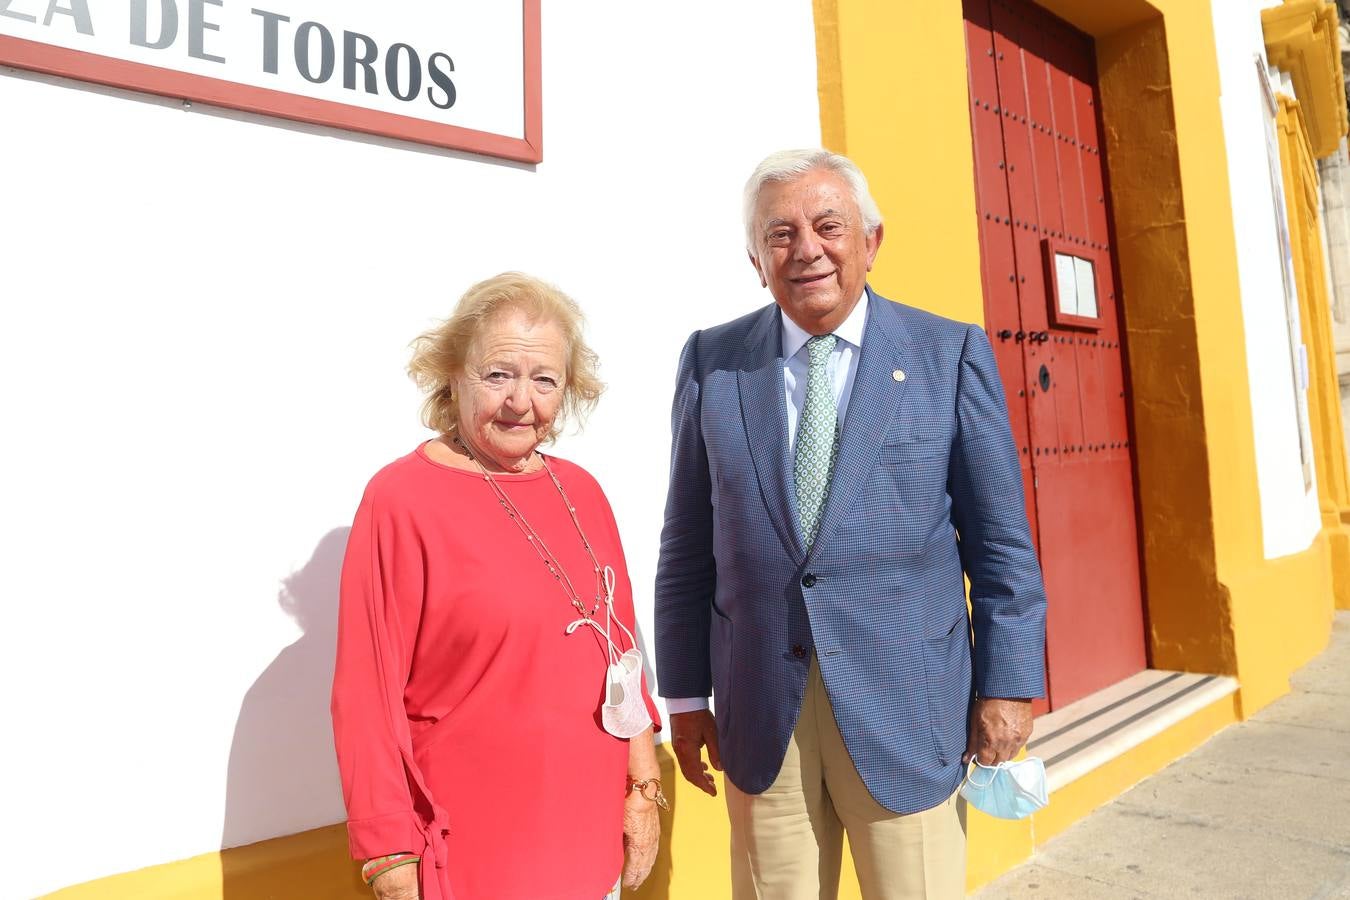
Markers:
(459, 75)
(1071, 280)
(1075, 285)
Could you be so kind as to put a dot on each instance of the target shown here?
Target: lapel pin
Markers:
(898, 375)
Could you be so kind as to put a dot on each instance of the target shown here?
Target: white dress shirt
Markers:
(842, 367)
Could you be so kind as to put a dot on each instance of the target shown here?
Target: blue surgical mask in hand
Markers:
(1009, 790)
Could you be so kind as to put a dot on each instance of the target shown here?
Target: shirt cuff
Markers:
(677, 705)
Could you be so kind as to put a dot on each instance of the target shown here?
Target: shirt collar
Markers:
(850, 330)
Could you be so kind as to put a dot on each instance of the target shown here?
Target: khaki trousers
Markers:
(787, 843)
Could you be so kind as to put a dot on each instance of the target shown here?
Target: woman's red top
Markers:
(466, 720)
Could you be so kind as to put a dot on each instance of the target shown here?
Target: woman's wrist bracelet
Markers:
(376, 867)
(649, 788)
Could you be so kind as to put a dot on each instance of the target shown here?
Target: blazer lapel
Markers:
(873, 404)
(764, 414)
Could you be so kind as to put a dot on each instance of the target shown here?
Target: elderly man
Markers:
(840, 462)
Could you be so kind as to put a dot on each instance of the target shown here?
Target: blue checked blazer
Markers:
(926, 489)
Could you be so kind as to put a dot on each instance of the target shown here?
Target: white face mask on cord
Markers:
(623, 713)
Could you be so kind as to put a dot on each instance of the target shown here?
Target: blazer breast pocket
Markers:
(911, 478)
(909, 453)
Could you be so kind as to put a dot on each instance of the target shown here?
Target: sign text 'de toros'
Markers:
(459, 75)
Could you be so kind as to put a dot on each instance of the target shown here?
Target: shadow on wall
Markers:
(283, 771)
(283, 776)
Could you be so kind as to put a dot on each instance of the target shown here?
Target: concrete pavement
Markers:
(1260, 812)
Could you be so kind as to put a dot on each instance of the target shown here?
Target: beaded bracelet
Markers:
(376, 867)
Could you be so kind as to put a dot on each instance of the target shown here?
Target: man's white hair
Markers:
(785, 165)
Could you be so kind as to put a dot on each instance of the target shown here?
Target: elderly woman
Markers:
(493, 730)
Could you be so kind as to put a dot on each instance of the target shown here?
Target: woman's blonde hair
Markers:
(439, 355)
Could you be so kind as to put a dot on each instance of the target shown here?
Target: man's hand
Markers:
(690, 732)
(998, 729)
(398, 884)
(641, 838)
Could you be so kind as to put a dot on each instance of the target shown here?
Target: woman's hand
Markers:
(641, 821)
(397, 884)
(641, 838)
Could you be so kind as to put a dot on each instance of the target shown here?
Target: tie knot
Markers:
(819, 347)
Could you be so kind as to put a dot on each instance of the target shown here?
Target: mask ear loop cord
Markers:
(610, 615)
(611, 619)
(970, 776)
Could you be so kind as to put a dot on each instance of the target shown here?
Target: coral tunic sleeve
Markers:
(380, 603)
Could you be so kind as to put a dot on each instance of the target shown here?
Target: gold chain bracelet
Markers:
(656, 795)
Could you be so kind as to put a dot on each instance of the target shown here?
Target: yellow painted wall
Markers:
(1188, 608)
(893, 98)
(1303, 206)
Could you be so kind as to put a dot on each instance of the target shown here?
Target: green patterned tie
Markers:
(817, 437)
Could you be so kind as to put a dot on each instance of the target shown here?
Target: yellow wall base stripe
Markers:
(310, 864)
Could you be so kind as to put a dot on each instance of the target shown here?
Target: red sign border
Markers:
(107, 70)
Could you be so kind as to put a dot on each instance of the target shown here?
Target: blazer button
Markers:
(799, 651)
(808, 580)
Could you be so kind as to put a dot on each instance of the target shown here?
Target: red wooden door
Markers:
(1053, 317)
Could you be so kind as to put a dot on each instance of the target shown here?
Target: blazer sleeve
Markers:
(1007, 596)
(376, 629)
(686, 576)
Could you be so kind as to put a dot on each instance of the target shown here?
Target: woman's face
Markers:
(512, 387)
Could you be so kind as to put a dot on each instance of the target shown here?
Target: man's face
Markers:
(811, 249)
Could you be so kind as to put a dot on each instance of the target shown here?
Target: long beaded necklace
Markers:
(537, 542)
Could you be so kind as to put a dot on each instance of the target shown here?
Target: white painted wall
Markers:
(1289, 513)
(206, 317)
